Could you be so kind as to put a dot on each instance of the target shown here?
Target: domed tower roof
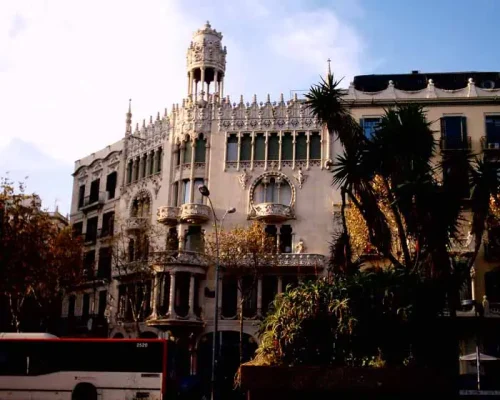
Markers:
(206, 63)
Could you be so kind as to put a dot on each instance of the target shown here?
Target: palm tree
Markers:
(327, 103)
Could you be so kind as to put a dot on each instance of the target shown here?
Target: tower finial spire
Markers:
(128, 121)
(329, 66)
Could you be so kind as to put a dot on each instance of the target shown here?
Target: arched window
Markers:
(188, 150)
(141, 206)
(199, 149)
(273, 190)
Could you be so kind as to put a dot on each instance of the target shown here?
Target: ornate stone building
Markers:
(267, 159)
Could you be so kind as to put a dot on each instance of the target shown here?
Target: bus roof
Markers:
(26, 335)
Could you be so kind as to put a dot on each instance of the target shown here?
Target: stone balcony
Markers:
(137, 223)
(194, 213)
(178, 258)
(272, 212)
(301, 260)
(167, 215)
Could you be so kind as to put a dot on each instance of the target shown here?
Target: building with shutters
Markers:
(267, 158)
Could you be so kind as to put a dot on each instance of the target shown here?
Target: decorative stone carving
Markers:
(137, 223)
(194, 213)
(300, 247)
(300, 177)
(301, 260)
(272, 212)
(167, 215)
(156, 186)
(244, 178)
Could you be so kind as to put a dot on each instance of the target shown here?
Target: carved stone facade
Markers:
(270, 160)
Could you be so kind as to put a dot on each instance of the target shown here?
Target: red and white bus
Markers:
(43, 367)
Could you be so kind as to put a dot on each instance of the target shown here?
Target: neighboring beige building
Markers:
(268, 159)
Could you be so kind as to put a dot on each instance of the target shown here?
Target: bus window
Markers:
(13, 359)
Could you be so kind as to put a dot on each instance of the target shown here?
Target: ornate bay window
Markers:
(272, 197)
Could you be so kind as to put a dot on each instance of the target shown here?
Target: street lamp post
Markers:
(206, 193)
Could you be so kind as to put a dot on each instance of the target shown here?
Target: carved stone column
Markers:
(294, 141)
(155, 296)
(259, 296)
(171, 299)
(308, 141)
(191, 175)
(202, 82)
(191, 296)
(280, 284)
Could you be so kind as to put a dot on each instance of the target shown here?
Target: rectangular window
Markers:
(77, 229)
(94, 191)
(199, 150)
(493, 130)
(186, 190)
(188, 150)
(260, 147)
(273, 146)
(286, 239)
(103, 302)
(89, 264)
(91, 233)
(111, 185)
(159, 162)
(175, 194)
(129, 171)
(287, 146)
(453, 133)
(108, 220)
(143, 166)
(104, 265)
(151, 166)
(301, 146)
(178, 156)
(232, 148)
(198, 197)
(194, 239)
(369, 126)
(81, 196)
(246, 147)
(86, 305)
(71, 306)
(315, 146)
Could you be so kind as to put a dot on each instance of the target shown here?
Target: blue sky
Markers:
(68, 68)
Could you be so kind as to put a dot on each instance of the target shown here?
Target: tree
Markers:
(243, 252)
(132, 246)
(39, 260)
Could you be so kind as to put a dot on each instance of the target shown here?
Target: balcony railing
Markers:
(137, 223)
(91, 237)
(167, 215)
(179, 258)
(302, 260)
(453, 144)
(91, 202)
(194, 213)
(272, 212)
(490, 144)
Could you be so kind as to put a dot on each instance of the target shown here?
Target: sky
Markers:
(68, 67)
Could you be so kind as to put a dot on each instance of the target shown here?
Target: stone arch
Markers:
(148, 334)
(268, 175)
(140, 195)
(118, 333)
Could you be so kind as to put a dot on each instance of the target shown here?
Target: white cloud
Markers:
(68, 68)
(309, 38)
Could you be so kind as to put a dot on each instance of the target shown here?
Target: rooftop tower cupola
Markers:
(206, 64)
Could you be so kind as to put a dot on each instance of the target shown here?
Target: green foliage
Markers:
(364, 319)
